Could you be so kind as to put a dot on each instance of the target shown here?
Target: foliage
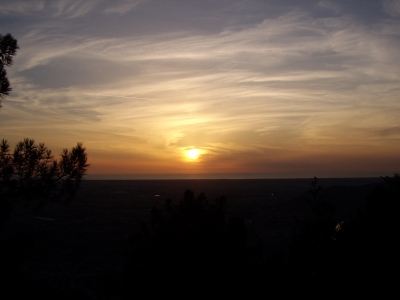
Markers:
(319, 229)
(313, 241)
(8, 49)
(31, 174)
(195, 232)
(192, 238)
(333, 256)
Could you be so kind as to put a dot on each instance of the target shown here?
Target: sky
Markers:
(277, 88)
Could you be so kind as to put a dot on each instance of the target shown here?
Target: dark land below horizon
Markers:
(78, 248)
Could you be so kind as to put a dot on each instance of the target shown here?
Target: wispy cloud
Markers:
(284, 87)
(122, 8)
(72, 9)
(50, 8)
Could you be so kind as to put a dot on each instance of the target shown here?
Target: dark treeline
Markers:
(194, 247)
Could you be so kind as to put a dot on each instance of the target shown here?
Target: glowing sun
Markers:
(192, 154)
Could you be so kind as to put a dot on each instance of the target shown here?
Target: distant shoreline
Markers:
(213, 177)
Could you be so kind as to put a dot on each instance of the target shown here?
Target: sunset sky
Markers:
(283, 88)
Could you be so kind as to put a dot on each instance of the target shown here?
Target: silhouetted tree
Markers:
(369, 243)
(313, 242)
(189, 245)
(352, 256)
(8, 49)
(32, 176)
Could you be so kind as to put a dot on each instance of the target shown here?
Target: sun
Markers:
(192, 154)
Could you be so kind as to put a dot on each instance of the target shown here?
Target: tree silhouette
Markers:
(191, 239)
(29, 176)
(352, 256)
(8, 49)
(32, 176)
(312, 244)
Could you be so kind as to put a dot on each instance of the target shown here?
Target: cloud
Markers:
(123, 8)
(282, 85)
(391, 7)
(329, 5)
(72, 9)
(21, 7)
(56, 8)
(271, 60)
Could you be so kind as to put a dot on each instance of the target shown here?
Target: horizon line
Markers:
(211, 176)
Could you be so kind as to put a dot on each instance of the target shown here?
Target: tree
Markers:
(194, 240)
(312, 251)
(32, 176)
(8, 49)
(352, 255)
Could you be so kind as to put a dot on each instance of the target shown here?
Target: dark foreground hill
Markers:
(79, 250)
